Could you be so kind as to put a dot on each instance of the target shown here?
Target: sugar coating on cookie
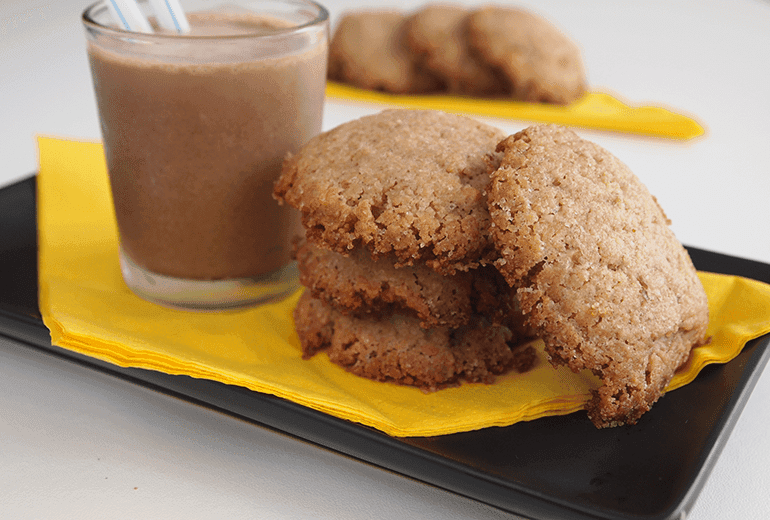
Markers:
(599, 273)
(410, 183)
(394, 348)
(368, 50)
(357, 284)
(541, 63)
(437, 35)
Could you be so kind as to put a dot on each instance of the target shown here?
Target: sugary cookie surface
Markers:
(599, 273)
(409, 183)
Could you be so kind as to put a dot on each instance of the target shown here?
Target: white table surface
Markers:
(75, 443)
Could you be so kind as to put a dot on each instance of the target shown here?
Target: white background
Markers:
(79, 444)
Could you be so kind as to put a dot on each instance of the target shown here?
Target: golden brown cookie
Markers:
(356, 284)
(406, 183)
(437, 34)
(598, 271)
(368, 50)
(395, 348)
(541, 63)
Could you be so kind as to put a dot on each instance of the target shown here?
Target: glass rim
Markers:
(88, 21)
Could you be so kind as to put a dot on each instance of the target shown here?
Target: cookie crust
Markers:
(358, 285)
(394, 348)
(599, 273)
(407, 183)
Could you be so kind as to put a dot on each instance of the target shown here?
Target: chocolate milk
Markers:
(193, 147)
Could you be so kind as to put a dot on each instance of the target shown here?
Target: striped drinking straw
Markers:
(170, 15)
(128, 15)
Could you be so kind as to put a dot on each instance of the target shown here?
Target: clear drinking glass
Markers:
(195, 128)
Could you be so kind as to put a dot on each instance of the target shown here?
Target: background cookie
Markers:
(541, 63)
(437, 34)
(409, 183)
(396, 349)
(368, 50)
(598, 272)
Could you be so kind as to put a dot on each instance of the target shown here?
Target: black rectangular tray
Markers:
(558, 467)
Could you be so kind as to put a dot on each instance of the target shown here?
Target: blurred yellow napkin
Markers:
(89, 310)
(596, 110)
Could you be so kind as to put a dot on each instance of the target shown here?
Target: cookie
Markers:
(541, 63)
(406, 183)
(599, 273)
(368, 50)
(358, 285)
(396, 349)
(437, 34)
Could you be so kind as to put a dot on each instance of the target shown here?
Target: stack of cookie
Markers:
(397, 255)
(435, 243)
(493, 51)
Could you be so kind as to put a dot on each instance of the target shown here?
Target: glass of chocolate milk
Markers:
(195, 129)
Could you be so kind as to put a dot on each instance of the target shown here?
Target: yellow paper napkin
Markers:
(89, 310)
(596, 110)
